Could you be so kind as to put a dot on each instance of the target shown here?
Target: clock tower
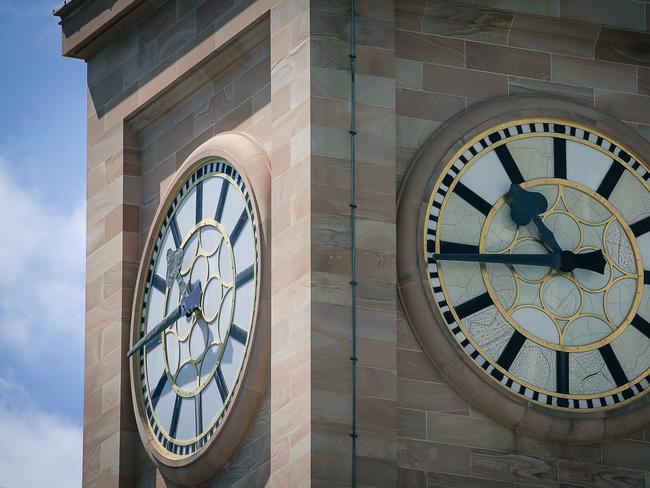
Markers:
(366, 243)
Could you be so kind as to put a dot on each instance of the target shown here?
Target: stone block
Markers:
(429, 48)
(408, 74)
(376, 472)
(622, 13)
(466, 22)
(376, 383)
(627, 454)
(469, 432)
(598, 74)
(626, 107)
(514, 468)
(507, 60)
(413, 132)
(107, 88)
(556, 450)
(527, 86)
(463, 82)
(445, 480)
(429, 456)
(405, 338)
(411, 424)
(376, 60)
(428, 106)
(376, 353)
(595, 476)
(548, 8)
(379, 445)
(411, 478)
(622, 46)
(408, 14)
(414, 365)
(433, 397)
(376, 415)
(553, 35)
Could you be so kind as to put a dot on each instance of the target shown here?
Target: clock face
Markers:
(576, 340)
(189, 373)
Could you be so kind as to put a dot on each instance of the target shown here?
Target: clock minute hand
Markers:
(566, 261)
(548, 260)
(188, 305)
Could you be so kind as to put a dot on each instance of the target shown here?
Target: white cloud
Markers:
(42, 254)
(38, 449)
(41, 316)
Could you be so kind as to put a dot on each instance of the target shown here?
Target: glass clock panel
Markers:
(553, 306)
(191, 370)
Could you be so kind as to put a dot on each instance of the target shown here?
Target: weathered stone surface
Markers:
(190, 70)
(510, 61)
(622, 46)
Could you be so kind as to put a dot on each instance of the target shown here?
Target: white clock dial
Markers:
(189, 373)
(577, 340)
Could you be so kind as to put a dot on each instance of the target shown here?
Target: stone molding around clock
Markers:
(423, 315)
(253, 164)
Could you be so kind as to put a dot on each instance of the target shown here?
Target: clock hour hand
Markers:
(525, 207)
(188, 305)
(546, 235)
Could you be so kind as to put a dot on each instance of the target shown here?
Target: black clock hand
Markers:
(566, 261)
(546, 235)
(188, 305)
(525, 207)
(592, 261)
(548, 260)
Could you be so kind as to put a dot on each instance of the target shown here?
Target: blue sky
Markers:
(42, 217)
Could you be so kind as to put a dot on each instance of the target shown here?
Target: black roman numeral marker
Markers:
(509, 164)
(646, 276)
(559, 157)
(562, 368)
(198, 416)
(239, 226)
(457, 248)
(641, 227)
(472, 198)
(511, 350)
(239, 334)
(610, 180)
(642, 325)
(613, 365)
(473, 305)
(176, 234)
(244, 277)
(199, 202)
(221, 384)
(173, 427)
(222, 200)
(155, 396)
(159, 283)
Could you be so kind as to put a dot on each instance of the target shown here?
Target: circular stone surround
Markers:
(252, 164)
(421, 309)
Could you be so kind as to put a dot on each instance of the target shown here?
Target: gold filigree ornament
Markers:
(577, 311)
(565, 323)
